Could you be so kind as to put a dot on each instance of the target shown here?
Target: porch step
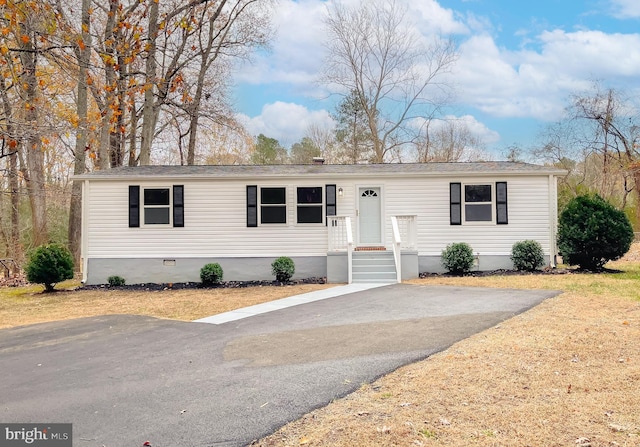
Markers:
(373, 266)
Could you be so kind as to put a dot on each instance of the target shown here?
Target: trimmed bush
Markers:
(527, 255)
(457, 258)
(211, 274)
(592, 232)
(283, 268)
(49, 265)
(116, 281)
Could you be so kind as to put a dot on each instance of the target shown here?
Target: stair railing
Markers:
(397, 250)
(349, 249)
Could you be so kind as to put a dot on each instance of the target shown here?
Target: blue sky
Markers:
(519, 62)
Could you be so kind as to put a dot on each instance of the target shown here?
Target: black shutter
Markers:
(134, 206)
(178, 205)
(455, 203)
(252, 206)
(330, 197)
(502, 215)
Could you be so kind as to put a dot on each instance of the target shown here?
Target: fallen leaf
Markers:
(617, 428)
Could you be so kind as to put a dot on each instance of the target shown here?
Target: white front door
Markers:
(369, 220)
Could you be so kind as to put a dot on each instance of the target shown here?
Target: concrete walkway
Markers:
(283, 303)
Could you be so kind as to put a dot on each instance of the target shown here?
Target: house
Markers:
(347, 222)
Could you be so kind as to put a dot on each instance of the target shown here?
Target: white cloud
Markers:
(286, 122)
(626, 9)
(530, 83)
(475, 127)
(478, 129)
(430, 17)
(296, 52)
(530, 79)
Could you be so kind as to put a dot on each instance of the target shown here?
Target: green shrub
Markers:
(116, 281)
(527, 255)
(49, 265)
(457, 258)
(592, 232)
(211, 274)
(283, 268)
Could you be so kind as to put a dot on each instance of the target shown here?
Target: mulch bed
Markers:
(197, 285)
(505, 272)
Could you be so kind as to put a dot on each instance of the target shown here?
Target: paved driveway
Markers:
(122, 380)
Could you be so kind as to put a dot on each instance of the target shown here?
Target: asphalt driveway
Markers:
(122, 380)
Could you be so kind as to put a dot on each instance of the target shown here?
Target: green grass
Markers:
(429, 434)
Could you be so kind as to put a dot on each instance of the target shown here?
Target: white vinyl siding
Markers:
(528, 208)
(215, 223)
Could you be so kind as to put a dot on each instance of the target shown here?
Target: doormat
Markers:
(370, 248)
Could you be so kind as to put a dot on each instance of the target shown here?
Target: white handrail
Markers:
(397, 253)
(347, 222)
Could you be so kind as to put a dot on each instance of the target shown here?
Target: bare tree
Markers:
(447, 141)
(224, 35)
(203, 33)
(601, 132)
(324, 138)
(394, 73)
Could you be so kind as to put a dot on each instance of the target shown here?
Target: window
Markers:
(273, 206)
(310, 205)
(156, 206)
(476, 203)
(159, 206)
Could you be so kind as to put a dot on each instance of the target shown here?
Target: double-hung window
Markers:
(309, 204)
(477, 203)
(273, 205)
(157, 206)
(481, 202)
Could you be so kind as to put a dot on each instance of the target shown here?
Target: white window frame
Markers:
(260, 205)
(492, 204)
(317, 205)
(144, 207)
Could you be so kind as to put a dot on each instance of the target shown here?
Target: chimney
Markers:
(318, 160)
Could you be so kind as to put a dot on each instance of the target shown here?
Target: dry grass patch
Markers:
(27, 305)
(565, 373)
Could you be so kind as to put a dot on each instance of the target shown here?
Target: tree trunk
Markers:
(148, 111)
(75, 207)
(15, 246)
(34, 154)
(15, 250)
(133, 159)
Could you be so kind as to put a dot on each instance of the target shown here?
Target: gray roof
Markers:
(324, 170)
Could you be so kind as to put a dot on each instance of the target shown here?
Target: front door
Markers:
(369, 221)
